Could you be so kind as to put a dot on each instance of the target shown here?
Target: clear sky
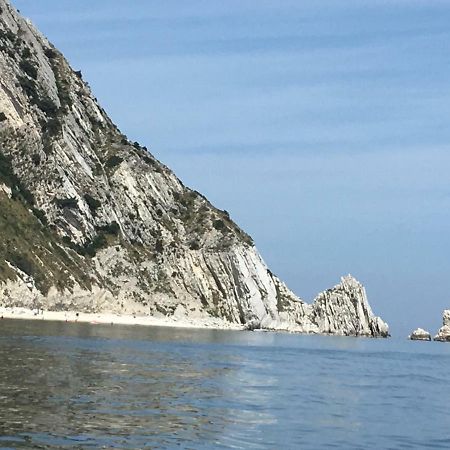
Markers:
(321, 126)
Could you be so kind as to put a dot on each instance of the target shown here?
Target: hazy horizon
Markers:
(322, 129)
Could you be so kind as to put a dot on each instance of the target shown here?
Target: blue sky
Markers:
(322, 127)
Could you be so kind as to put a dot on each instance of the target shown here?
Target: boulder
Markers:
(420, 335)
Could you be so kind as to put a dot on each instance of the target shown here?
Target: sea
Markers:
(82, 386)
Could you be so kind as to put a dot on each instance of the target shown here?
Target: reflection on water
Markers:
(82, 386)
(60, 390)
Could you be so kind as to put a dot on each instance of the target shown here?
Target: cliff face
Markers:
(92, 221)
(345, 309)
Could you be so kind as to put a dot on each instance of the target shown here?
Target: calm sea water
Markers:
(98, 386)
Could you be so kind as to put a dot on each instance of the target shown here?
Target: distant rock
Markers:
(444, 332)
(420, 335)
(446, 317)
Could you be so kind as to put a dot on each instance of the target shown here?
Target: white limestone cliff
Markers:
(94, 222)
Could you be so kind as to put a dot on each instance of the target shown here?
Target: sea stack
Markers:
(420, 335)
(92, 222)
(443, 334)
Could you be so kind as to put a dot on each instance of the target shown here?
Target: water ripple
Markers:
(81, 386)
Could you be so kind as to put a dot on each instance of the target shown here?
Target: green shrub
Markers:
(36, 158)
(9, 35)
(159, 246)
(97, 243)
(45, 104)
(26, 53)
(23, 194)
(21, 262)
(67, 202)
(92, 202)
(50, 53)
(90, 248)
(40, 215)
(112, 228)
(29, 68)
(219, 224)
(52, 126)
(114, 161)
(64, 93)
(28, 86)
(7, 175)
(194, 245)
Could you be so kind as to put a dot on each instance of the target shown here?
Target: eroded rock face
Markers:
(443, 334)
(91, 221)
(345, 309)
(420, 335)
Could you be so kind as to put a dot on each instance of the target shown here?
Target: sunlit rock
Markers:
(443, 334)
(420, 335)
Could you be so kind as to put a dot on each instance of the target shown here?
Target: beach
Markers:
(111, 319)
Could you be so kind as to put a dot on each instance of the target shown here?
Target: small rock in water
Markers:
(420, 335)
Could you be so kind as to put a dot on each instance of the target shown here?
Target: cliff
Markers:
(92, 221)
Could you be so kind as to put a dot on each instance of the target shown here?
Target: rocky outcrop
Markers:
(420, 335)
(92, 221)
(345, 309)
(443, 334)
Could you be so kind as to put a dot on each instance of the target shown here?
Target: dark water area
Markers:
(98, 386)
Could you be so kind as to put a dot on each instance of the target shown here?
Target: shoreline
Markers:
(103, 318)
(114, 319)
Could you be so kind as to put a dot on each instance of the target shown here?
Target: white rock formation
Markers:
(420, 335)
(443, 334)
(94, 222)
(345, 310)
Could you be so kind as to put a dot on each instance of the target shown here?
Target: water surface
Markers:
(100, 386)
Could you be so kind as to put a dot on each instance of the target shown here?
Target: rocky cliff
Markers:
(92, 221)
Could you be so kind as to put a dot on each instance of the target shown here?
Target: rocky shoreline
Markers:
(108, 318)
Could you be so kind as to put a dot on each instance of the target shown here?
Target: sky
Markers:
(321, 126)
